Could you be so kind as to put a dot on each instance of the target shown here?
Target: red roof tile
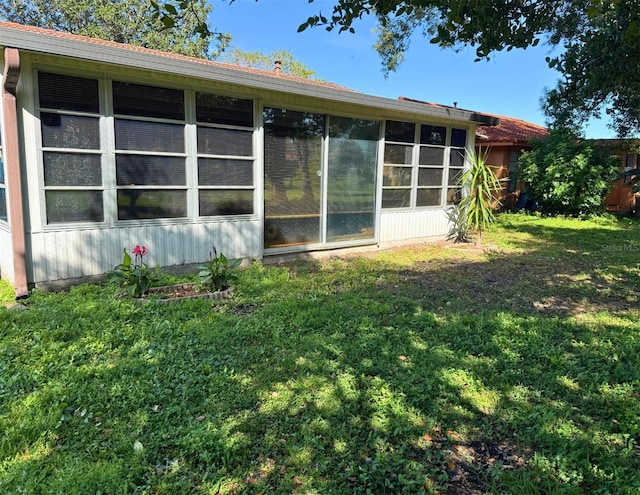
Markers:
(511, 130)
(139, 49)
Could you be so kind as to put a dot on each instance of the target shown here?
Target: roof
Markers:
(46, 41)
(487, 119)
(511, 131)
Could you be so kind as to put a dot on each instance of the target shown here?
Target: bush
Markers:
(567, 175)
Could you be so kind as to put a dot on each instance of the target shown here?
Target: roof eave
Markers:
(48, 42)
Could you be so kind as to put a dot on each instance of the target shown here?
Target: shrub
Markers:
(567, 175)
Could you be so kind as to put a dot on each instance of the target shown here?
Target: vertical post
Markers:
(10, 78)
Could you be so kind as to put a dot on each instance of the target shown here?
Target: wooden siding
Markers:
(69, 254)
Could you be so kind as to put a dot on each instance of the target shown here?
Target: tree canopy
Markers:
(598, 45)
(125, 21)
(265, 61)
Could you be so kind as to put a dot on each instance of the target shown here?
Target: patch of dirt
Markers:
(468, 465)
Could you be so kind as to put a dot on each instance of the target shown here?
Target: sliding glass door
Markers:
(316, 194)
(292, 177)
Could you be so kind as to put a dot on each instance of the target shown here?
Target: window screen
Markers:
(226, 202)
(149, 136)
(143, 170)
(71, 169)
(215, 141)
(216, 109)
(143, 204)
(220, 172)
(74, 206)
(63, 92)
(70, 131)
(403, 132)
(147, 101)
(72, 157)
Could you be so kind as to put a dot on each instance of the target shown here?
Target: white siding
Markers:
(68, 254)
(401, 226)
(6, 255)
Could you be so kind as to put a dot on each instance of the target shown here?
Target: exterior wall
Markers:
(59, 252)
(400, 226)
(69, 254)
(621, 198)
(499, 159)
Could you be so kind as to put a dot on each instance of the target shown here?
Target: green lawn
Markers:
(418, 370)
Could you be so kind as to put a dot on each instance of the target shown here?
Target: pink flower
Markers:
(139, 250)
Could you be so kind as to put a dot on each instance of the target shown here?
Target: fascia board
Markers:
(128, 57)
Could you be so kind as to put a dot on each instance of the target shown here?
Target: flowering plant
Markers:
(217, 273)
(135, 275)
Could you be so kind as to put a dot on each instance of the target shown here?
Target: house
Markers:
(506, 142)
(105, 146)
(621, 198)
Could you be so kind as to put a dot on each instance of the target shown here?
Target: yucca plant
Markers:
(479, 183)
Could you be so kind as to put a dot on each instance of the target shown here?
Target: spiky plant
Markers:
(479, 185)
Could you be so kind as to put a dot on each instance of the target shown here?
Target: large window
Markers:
(151, 167)
(225, 155)
(150, 151)
(416, 158)
(456, 165)
(71, 148)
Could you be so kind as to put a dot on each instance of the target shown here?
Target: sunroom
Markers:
(108, 146)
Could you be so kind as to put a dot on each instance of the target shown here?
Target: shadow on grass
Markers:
(512, 373)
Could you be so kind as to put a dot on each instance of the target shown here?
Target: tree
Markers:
(265, 61)
(566, 174)
(598, 44)
(124, 21)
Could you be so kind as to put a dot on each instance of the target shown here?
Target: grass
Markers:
(418, 370)
(7, 293)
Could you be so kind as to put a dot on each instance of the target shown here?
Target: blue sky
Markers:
(510, 84)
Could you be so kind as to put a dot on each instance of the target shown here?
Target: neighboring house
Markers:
(105, 146)
(621, 198)
(506, 142)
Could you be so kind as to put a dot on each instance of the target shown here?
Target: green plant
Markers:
(458, 231)
(135, 275)
(479, 183)
(567, 175)
(218, 272)
(7, 293)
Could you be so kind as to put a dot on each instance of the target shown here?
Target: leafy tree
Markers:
(598, 44)
(265, 61)
(598, 41)
(566, 174)
(124, 21)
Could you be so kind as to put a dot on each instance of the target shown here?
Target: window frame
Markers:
(109, 152)
(69, 150)
(416, 167)
(251, 158)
